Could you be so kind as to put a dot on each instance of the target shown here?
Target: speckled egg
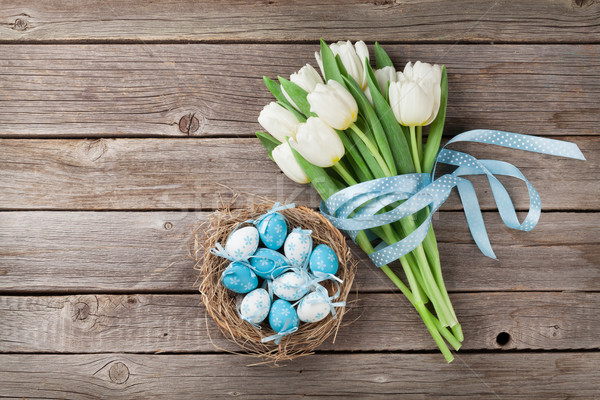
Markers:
(268, 263)
(291, 286)
(282, 316)
(324, 260)
(238, 278)
(242, 243)
(297, 246)
(273, 230)
(255, 306)
(313, 307)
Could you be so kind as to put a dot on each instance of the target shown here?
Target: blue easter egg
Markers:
(282, 316)
(323, 259)
(239, 278)
(273, 230)
(268, 263)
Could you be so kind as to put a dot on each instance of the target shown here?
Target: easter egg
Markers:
(282, 316)
(324, 260)
(238, 278)
(273, 230)
(297, 246)
(255, 306)
(291, 286)
(242, 243)
(268, 263)
(313, 307)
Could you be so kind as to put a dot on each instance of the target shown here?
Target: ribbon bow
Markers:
(357, 207)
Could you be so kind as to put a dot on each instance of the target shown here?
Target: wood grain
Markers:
(146, 90)
(132, 252)
(376, 322)
(433, 20)
(410, 376)
(183, 174)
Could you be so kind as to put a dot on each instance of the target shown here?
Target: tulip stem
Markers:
(346, 176)
(415, 150)
(420, 141)
(372, 149)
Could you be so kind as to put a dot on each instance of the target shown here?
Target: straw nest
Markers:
(221, 304)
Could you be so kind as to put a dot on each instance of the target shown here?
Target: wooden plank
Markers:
(75, 252)
(377, 322)
(146, 90)
(545, 21)
(109, 174)
(410, 376)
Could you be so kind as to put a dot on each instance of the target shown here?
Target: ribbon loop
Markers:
(366, 205)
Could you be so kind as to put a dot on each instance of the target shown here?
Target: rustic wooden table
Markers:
(121, 122)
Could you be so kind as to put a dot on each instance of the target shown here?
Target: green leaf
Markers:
(275, 89)
(268, 141)
(320, 180)
(297, 94)
(341, 66)
(330, 66)
(381, 57)
(357, 143)
(360, 169)
(371, 117)
(393, 130)
(436, 128)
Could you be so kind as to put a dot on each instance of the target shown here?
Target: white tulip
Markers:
(334, 105)
(385, 75)
(318, 143)
(286, 161)
(415, 97)
(278, 121)
(307, 78)
(353, 58)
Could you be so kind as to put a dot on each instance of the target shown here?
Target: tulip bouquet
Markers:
(355, 124)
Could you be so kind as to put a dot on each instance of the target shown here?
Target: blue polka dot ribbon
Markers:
(375, 203)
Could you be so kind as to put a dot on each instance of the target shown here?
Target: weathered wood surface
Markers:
(388, 20)
(381, 322)
(183, 174)
(146, 90)
(75, 252)
(406, 376)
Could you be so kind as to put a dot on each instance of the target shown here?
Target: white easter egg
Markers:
(242, 243)
(313, 307)
(255, 306)
(297, 246)
(290, 286)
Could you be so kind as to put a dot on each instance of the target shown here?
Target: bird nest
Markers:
(221, 303)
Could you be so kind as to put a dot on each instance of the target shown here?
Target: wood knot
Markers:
(118, 373)
(583, 3)
(81, 311)
(168, 226)
(20, 24)
(189, 124)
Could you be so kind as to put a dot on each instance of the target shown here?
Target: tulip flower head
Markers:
(385, 75)
(278, 121)
(415, 97)
(307, 78)
(318, 143)
(353, 58)
(286, 161)
(334, 105)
